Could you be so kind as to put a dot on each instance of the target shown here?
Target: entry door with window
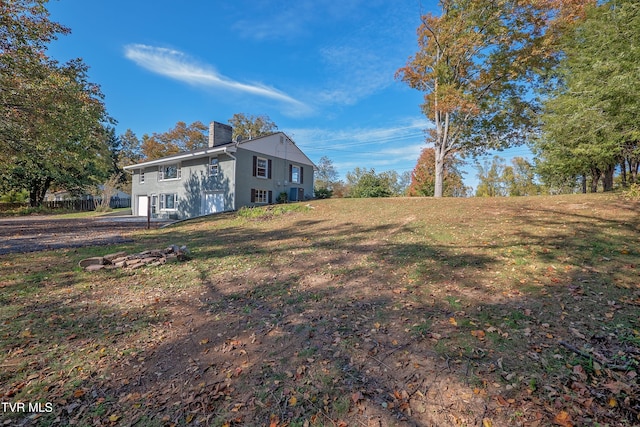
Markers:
(154, 205)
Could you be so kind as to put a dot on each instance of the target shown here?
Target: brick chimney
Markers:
(219, 134)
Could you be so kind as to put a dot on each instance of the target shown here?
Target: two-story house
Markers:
(222, 177)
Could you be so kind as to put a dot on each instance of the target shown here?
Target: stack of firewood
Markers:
(150, 258)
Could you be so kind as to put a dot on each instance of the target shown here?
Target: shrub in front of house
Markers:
(282, 197)
(323, 193)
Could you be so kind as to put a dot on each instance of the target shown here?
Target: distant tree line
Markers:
(561, 76)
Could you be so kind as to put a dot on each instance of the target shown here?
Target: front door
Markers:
(154, 205)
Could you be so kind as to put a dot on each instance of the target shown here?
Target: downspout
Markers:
(235, 160)
(286, 169)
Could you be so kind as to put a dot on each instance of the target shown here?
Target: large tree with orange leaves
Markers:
(477, 63)
(423, 177)
(181, 138)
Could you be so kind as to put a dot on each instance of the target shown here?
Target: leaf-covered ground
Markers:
(461, 312)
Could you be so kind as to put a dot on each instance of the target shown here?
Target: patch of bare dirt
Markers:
(40, 233)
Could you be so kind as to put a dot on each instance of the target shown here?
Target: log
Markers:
(97, 260)
(111, 257)
(154, 257)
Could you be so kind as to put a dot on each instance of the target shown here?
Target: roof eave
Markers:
(183, 156)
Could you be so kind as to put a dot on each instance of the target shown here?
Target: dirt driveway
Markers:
(38, 233)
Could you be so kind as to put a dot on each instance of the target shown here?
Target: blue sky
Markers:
(322, 70)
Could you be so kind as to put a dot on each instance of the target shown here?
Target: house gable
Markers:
(277, 145)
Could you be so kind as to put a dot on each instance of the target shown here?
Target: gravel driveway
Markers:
(38, 233)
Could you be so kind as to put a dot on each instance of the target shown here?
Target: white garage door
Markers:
(143, 205)
(213, 203)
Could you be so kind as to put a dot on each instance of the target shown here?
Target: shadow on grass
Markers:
(322, 321)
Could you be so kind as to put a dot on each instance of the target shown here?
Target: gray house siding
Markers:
(249, 173)
(202, 193)
(277, 180)
(190, 194)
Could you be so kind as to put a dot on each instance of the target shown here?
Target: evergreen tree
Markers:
(590, 124)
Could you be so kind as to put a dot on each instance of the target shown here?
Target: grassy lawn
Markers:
(372, 312)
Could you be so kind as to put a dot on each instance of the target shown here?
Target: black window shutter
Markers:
(290, 172)
(253, 195)
(269, 172)
(301, 175)
(270, 196)
(255, 165)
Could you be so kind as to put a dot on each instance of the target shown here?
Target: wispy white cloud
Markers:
(364, 62)
(357, 63)
(359, 70)
(396, 146)
(411, 128)
(277, 20)
(179, 66)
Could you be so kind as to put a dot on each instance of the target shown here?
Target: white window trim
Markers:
(295, 178)
(266, 168)
(161, 169)
(217, 168)
(162, 202)
(265, 196)
(155, 203)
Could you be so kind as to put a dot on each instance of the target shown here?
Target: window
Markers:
(295, 174)
(213, 166)
(141, 177)
(261, 196)
(262, 168)
(171, 171)
(168, 202)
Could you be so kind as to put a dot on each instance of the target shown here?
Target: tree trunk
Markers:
(439, 173)
(633, 170)
(595, 177)
(38, 190)
(607, 178)
(584, 184)
(623, 172)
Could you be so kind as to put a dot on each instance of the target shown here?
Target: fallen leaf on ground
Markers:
(480, 334)
(563, 419)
